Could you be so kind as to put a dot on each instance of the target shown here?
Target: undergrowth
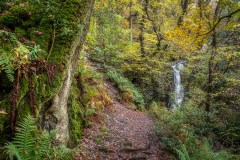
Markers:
(189, 133)
(129, 92)
(88, 97)
(92, 91)
(30, 143)
(15, 55)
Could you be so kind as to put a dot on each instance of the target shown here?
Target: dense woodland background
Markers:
(48, 49)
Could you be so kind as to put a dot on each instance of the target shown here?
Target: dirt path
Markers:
(121, 134)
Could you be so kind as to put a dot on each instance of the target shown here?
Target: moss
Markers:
(76, 120)
(9, 20)
(41, 39)
(20, 32)
(23, 90)
(45, 90)
(88, 96)
(33, 22)
(5, 105)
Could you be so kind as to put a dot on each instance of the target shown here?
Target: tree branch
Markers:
(220, 19)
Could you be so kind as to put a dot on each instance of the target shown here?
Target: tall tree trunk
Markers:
(142, 28)
(154, 25)
(141, 36)
(184, 6)
(200, 3)
(131, 22)
(210, 73)
(211, 66)
(59, 107)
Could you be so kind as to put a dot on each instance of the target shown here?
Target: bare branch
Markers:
(219, 20)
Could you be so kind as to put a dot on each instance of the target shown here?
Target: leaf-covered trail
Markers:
(121, 134)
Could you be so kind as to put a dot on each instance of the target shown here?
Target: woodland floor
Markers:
(121, 134)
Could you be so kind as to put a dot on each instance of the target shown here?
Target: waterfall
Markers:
(179, 90)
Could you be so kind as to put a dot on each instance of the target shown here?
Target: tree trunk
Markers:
(184, 6)
(142, 28)
(59, 107)
(131, 23)
(211, 64)
(154, 25)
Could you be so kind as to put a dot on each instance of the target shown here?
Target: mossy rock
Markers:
(34, 22)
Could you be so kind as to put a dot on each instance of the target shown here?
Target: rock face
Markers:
(59, 107)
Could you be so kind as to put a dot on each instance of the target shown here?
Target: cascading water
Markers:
(179, 90)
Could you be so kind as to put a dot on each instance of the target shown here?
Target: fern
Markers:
(44, 142)
(8, 62)
(12, 151)
(33, 51)
(60, 153)
(6, 65)
(30, 144)
(8, 35)
(25, 139)
(125, 85)
(183, 153)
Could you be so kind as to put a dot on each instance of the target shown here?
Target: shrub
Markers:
(187, 132)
